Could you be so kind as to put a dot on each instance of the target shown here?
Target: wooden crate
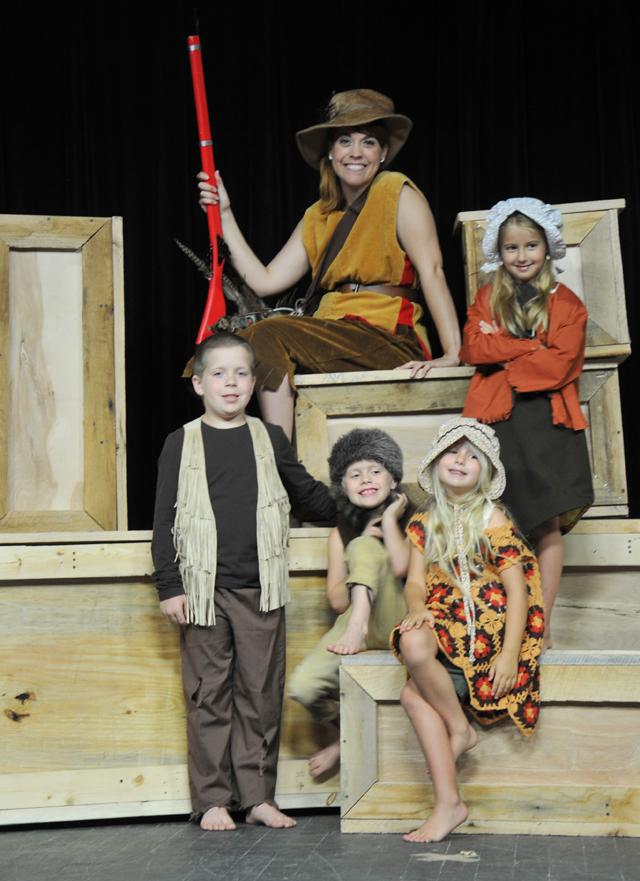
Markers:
(578, 775)
(62, 404)
(92, 718)
(592, 268)
(92, 722)
(329, 405)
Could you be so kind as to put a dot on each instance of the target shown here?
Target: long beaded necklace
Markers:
(465, 580)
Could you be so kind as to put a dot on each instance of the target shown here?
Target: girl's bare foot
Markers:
(443, 820)
(352, 641)
(325, 760)
(462, 743)
(217, 820)
(269, 815)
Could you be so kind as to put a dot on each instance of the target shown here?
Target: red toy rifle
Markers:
(215, 307)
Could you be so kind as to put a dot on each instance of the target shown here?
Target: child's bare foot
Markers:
(462, 743)
(269, 815)
(325, 760)
(443, 820)
(352, 641)
(217, 820)
(546, 644)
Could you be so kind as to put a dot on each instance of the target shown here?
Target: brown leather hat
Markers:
(349, 110)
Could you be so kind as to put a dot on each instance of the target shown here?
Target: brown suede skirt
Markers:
(285, 346)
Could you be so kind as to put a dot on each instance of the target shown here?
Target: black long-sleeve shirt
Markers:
(233, 489)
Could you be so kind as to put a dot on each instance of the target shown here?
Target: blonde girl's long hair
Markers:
(440, 543)
(507, 311)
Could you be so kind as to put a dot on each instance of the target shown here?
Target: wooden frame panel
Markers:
(592, 268)
(96, 500)
(560, 782)
(328, 405)
(92, 716)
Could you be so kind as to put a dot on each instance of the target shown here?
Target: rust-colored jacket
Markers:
(550, 361)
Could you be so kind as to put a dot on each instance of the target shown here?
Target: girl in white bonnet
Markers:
(526, 335)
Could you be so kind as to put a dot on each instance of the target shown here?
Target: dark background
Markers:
(96, 118)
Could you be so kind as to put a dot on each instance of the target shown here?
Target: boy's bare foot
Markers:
(217, 820)
(352, 641)
(462, 743)
(269, 815)
(443, 820)
(325, 760)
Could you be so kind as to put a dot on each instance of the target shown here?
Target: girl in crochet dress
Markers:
(475, 620)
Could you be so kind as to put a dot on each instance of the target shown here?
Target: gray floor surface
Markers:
(173, 850)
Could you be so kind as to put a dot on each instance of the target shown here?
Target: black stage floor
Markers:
(173, 850)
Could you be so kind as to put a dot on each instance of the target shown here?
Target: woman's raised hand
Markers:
(212, 193)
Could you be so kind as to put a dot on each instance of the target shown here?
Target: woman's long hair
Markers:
(331, 197)
(522, 320)
(472, 509)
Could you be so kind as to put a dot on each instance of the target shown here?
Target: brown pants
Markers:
(285, 346)
(233, 678)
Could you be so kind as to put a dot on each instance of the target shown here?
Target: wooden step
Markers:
(578, 775)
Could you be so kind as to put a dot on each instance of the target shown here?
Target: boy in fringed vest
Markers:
(222, 504)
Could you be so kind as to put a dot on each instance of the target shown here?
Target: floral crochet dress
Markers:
(444, 599)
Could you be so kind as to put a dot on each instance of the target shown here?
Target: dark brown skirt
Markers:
(285, 346)
(547, 465)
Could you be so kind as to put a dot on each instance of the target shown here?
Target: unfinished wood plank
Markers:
(572, 744)
(19, 522)
(45, 420)
(32, 231)
(99, 380)
(94, 786)
(29, 563)
(598, 608)
(69, 537)
(612, 807)
(71, 813)
(309, 380)
(602, 270)
(5, 378)
(119, 371)
(358, 740)
(563, 207)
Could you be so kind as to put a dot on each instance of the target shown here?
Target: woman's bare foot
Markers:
(325, 760)
(217, 820)
(352, 641)
(462, 743)
(269, 815)
(443, 820)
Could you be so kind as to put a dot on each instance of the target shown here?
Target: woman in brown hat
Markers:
(368, 315)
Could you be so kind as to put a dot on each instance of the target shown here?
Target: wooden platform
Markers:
(578, 775)
(329, 405)
(92, 716)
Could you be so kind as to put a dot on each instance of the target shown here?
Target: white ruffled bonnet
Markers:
(546, 216)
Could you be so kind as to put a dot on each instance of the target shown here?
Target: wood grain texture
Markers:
(119, 371)
(5, 378)
(99, 380)
(412, 411)
(91, 691)
(61, 425)
(572, 775)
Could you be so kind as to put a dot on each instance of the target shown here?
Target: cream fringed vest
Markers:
(195, 534)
